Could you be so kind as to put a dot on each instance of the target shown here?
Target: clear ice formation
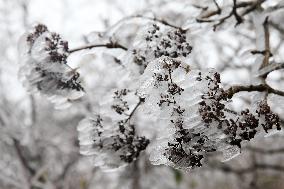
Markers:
(44, 69)
(109, 137)
(194, 119)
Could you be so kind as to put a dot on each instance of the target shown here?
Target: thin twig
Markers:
(212, 13)
(218, 7)
(110, 45)
(253, 7)
(238, 18)
(141, 100)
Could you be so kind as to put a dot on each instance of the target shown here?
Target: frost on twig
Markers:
(192, 109)
(44, 69)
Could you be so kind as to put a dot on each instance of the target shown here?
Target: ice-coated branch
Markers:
(270, 68)
(141, 100)
(111, 45)
(267, 52)
(251, 88)
(120, 46)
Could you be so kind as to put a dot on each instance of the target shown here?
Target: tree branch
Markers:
(141, 100)
(251, 88)
(252, 5)
(110, 45)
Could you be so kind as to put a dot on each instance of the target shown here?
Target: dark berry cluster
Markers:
(38, 30)
(56, 48)
(196, 144)
(123, 141)
(188, 148)
(120, 105)
(169, 65)
(139, 59)
(185, 147)
(71, 83)
(176, 155)
(129, 142)
(59, 80)
(160, 42)
(270, 119)
(237, 126)
(120, 140)
(172, 44)
(212, 105)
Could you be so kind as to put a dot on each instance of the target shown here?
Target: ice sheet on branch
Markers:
(154, 41)
(194, 118)
(109, 136)
(44, 69)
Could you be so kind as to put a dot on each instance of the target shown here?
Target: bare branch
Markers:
(252, 5)
(238, 18)
(251, 88)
